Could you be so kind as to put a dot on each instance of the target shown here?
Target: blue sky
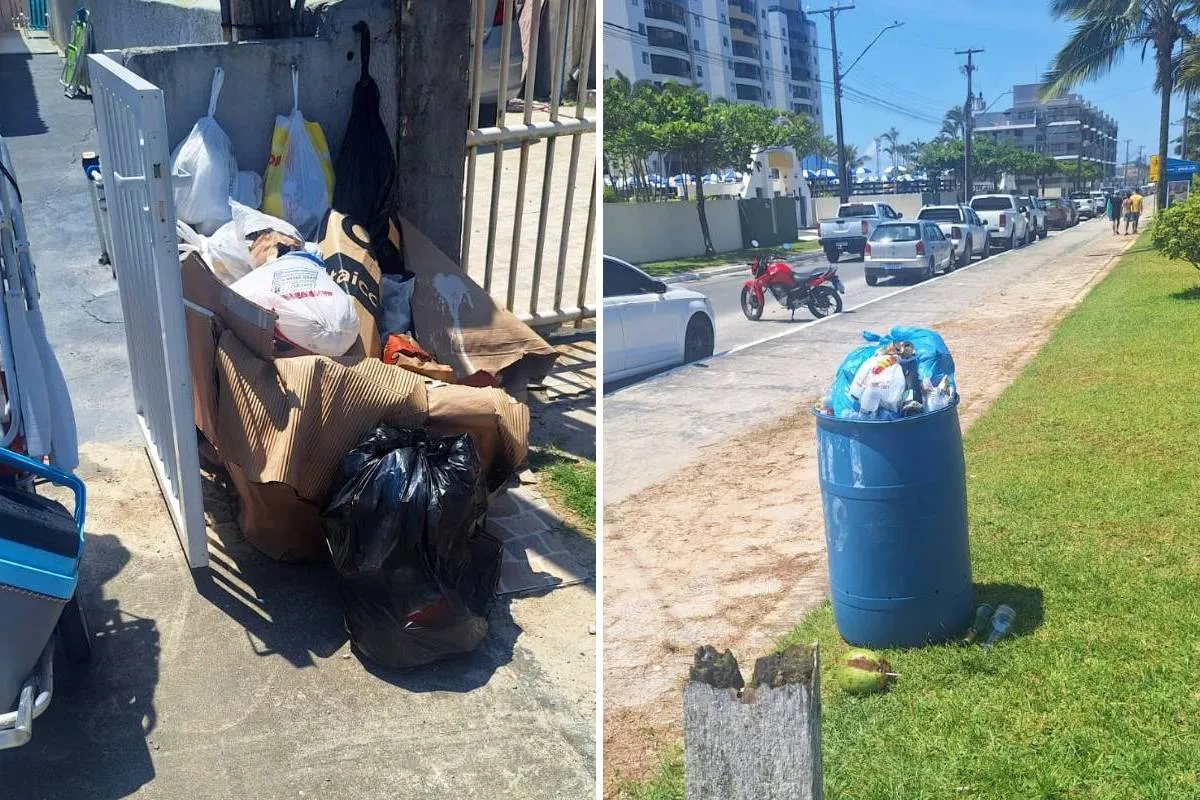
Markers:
(915, 66)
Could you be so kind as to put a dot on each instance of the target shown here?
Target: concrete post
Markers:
(431, 144)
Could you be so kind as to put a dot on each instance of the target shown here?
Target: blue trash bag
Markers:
(933, 357)
(933, 363)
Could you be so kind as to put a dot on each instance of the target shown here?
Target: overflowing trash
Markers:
(907, 372)
(359, 388)
(405, 525)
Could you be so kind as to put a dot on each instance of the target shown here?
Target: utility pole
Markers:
(1125, 172)
(843, 178)
(1141, 150)
(967, 127)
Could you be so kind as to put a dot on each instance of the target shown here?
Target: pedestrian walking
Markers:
(1135, 209)
(1125, 213)
(1112, 208)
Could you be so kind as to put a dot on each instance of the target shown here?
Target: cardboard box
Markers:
(282, 424)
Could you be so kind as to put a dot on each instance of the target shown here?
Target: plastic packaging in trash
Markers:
(908, 371)
(230, 252)
(415, 568)
(312, 312)
(204, 172)
(395, 304)
(298, 184)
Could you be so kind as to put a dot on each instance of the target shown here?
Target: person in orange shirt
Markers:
(1135, 211)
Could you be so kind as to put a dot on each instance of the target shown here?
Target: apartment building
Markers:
(1067, 127)
(747, 51)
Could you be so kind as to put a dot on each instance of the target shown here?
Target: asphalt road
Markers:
(734, 330)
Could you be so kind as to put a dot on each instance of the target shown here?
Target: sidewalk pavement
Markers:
(238, 681)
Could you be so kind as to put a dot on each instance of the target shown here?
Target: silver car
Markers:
(917, 248)
(493, 45)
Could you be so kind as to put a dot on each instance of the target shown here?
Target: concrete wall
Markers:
(258, 81)
(118, 24)
(906, 204)
(639, 232)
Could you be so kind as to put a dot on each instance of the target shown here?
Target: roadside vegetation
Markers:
(569, 483)
(676, 265)
(1084, 491)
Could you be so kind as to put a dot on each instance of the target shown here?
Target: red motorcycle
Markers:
(820, 289)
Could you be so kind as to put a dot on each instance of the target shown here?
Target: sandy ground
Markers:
(730, 551)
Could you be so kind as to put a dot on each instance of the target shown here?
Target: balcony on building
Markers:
(745, 50)
(667, 11)
(743, 27)
(746, 7)
(670, 65)
(745, 71)
(666, 39)
(747, 92)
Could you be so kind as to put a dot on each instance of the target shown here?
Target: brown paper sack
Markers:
(344, 245)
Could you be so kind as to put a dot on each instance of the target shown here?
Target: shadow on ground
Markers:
(1025, 600)
(19, 113)
(1187, 294)
(92, 740)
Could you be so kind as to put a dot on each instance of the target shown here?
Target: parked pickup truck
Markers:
(1007, 225)
(965, 230)
(848, 231)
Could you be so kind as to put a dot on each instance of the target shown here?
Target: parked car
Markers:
(493, 48)
(1099, 202)
(917, 248)
(1007, 226)
(1036, 215)
(1061, 214)
(968, 234)
(1084, 205)
(649, 325)
(848, 231)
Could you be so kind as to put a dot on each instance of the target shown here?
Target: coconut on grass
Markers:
(862, 671)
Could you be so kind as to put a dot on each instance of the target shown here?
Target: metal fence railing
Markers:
(131, 124)
(529, 249)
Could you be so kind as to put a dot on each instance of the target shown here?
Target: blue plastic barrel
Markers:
(895, 500)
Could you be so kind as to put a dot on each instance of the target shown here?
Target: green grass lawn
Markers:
(677, 265)
(570, 482)
(1084, 492)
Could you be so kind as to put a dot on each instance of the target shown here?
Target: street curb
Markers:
(731, 269)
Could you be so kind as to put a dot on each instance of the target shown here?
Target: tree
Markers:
(1192, 151)
(1105, 29)
(1080, 173)
(952, 123)
(708, 136)
(939, 156)
(1176, 230)
(629, 137)
(800, 133)
(892, 138)
(853, 159)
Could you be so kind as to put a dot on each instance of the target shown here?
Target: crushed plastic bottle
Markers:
(1002, 622)
(983, 619)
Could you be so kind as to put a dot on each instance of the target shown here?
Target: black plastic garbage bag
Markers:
(366, 164)
(416, 570)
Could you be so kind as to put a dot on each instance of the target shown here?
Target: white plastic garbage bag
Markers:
(298, 183)
(312, 312)
(879, 383)
(204, 171)
(227, 252)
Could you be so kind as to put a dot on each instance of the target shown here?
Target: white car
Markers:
(649, 325)
(963, 227)
(918, 249)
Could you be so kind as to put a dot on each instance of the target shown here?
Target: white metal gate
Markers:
(529, 291)
(135, 161)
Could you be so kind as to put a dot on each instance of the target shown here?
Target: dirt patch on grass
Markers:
(730, 551)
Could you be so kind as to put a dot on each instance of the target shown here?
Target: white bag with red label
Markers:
(312, 312)
(879, 383)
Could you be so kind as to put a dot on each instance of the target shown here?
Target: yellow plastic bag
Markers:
(298, 183)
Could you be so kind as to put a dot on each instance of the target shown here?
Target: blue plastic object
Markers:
(36, 569)
(933, 363)
(895, 503)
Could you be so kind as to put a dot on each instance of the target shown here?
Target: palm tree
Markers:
(853, 159)
(892, 137)
(952, 123)
(1105, 29)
